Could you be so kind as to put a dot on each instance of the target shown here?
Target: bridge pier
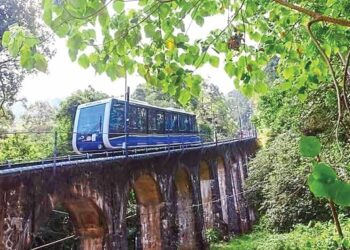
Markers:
(179, 197)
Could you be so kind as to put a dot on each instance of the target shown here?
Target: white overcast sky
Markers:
(65, 76)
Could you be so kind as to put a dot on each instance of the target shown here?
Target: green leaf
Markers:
(214, 61)
(342, 196)
(73, 54)
(141, 70)
(111, 71)
(75, 42)
(328, 50)
(288, 73)
(309, 146)
(324, 173)
(104, 19)
(182, 38)
(14, 47)
(118, 6)
(120, 71)
(40, 62)
(149, 30)
(184, 97)
(199, 20)
(25, 59)
(164, 10)
(323, 181)
(196, 85)
(261, 88)
(84, 61)
(6, 38)
(62, 30)
(229, 69)
(47, 16)
(247, 90)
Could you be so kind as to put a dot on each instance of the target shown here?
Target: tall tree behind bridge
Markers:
(153, 96)
(25, 13)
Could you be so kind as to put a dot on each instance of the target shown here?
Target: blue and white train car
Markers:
(99, 126)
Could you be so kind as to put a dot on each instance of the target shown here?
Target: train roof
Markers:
(132, 101)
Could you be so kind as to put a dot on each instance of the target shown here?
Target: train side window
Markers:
(155, 121)
(190, 123)
(183, 123)
(137, 119)
(187, 124)
(116, 120)
(168, 122)
(160, 121)
(152, 120)
(174, 122)
(142, 119)
(195, 128)
(133, 119)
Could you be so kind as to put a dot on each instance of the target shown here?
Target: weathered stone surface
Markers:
(179, 196)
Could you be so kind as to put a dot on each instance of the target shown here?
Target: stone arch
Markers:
(238, 173)
(234, 176)
(88, 220)
(185, 216)
(222, 187)
(149, 199)
(206, 194)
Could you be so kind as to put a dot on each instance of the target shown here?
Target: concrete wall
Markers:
(179, 197)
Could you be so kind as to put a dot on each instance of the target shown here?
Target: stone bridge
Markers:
(180, 196)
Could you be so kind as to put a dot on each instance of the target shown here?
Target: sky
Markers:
(64, 76)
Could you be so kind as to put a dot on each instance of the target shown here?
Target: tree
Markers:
(37, 141)
(278, 176)
(15, 54)
(214, 113)
(241, 109)
(146, 93)
(39, 117)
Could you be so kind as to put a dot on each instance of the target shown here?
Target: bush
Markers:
(212, 235)
(320, 236)
(278, 176)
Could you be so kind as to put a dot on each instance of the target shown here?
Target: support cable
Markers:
(54, 242)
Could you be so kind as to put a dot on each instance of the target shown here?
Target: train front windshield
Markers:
(91, 119)
(90, 128)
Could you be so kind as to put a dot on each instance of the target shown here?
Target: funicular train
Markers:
(101, 126)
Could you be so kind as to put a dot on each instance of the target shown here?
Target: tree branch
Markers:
(336, 220)
(219, 35)
(335, 82)
(314, 15)
(346, 68)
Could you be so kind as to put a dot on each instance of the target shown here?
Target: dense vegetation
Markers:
(314, 235)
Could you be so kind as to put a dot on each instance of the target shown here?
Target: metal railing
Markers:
(56, 158)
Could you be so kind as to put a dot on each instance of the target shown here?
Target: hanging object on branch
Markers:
(235, 41)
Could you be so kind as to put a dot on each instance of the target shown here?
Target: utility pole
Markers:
(126, 114)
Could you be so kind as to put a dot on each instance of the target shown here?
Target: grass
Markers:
(314, 236)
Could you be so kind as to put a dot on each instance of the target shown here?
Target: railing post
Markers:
(168, 144)
(182, 140)
(55, 153)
